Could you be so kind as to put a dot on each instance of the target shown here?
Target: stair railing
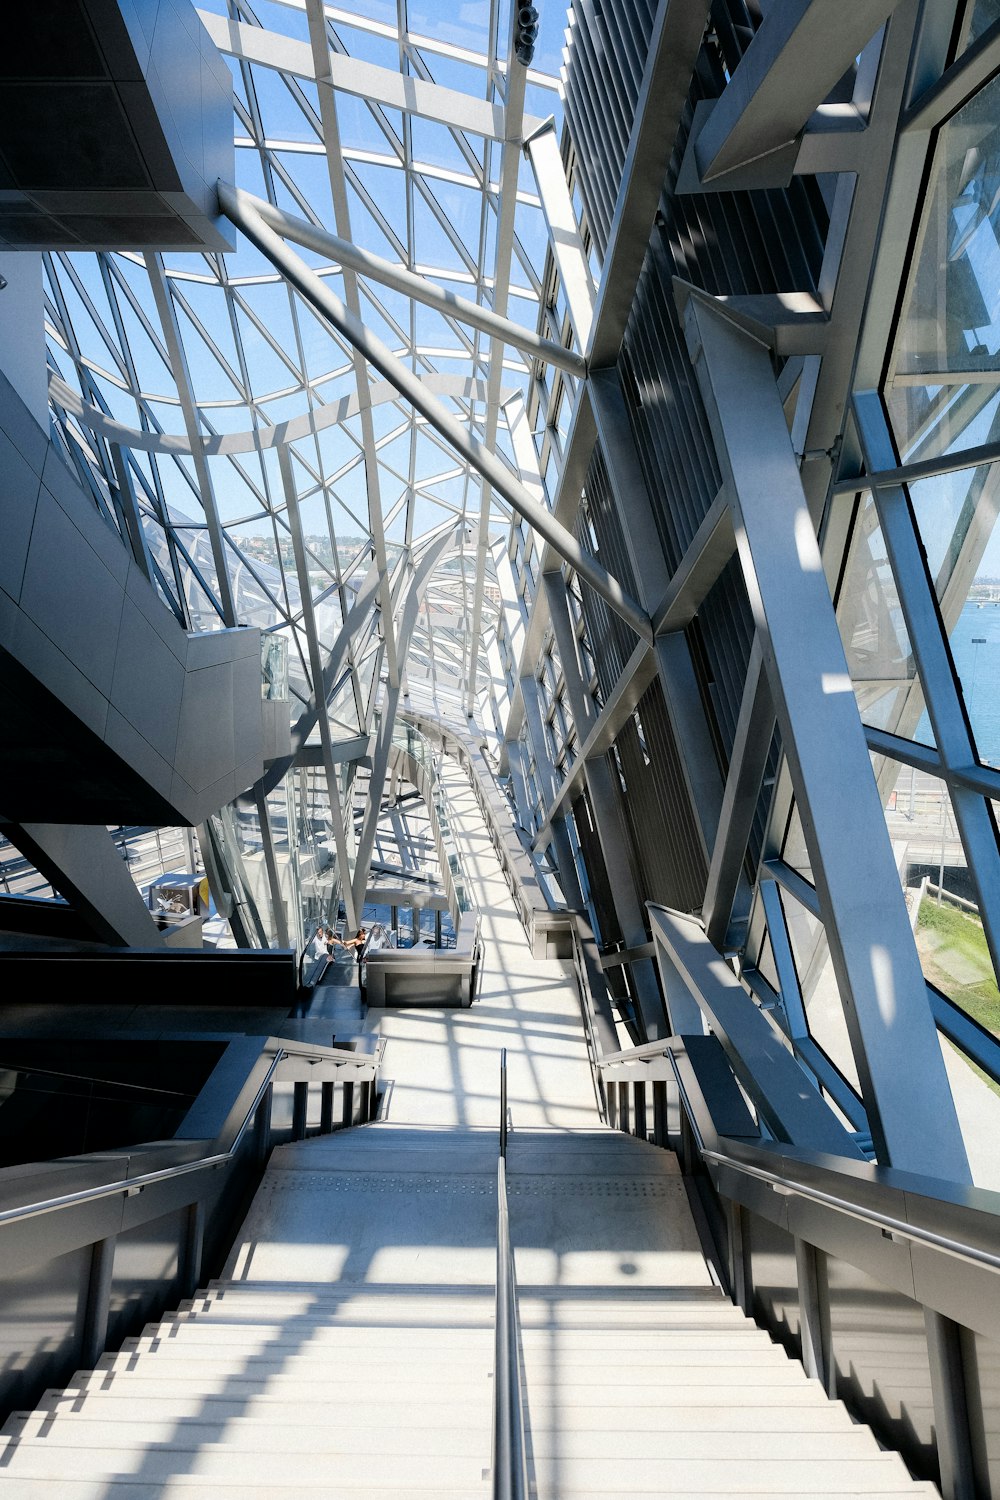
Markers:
(510, 1464)
(289, 1060)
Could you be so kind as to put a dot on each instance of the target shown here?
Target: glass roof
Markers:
(205, 369)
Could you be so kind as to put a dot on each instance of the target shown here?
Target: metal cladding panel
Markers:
(607, 52)
(147, 1270)
(664, 835)
(601, 893)
(41, 1307)
(728, 243)
(982, 1364)
(878, 1348)
(775, 1281)
(612, 639)
(115, 125)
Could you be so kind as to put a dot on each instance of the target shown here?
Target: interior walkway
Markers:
(442, 1067)
(348, 1351)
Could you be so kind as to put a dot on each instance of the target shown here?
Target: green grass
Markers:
(956, 960)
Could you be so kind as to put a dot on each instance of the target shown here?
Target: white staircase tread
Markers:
(417, 1439)
(608, 1476)
(817, 1491)
(99, 1408)
(175, 1487)
(734, 1392)
(281, 1470)
(264, 1407)
(193, 1330)
(319, 1352)
(328, 1436)
(180, 1486)
(381, 1386)
(727, 1476)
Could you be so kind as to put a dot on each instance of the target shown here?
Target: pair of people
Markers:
(358, 942)
(326, 940)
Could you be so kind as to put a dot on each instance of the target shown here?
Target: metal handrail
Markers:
(503, 1103)
(890, 1226)
(133, 1185)
(510, 1463)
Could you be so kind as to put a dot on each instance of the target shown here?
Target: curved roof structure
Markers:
(243, 416)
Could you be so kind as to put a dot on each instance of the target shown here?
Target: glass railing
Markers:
(274, 667)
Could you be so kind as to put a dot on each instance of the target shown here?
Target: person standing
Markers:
(358, 942)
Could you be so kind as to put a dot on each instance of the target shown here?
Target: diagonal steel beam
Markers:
(383, 745)
(492, 469)
(912, 1112)
(801, 50)
(409, 284)
(353, 75)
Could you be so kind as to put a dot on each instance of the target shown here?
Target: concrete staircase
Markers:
(349, 1350)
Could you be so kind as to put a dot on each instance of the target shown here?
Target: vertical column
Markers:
(807, 1270)
(951, 1413)
(94, 1333)
(262, 1126)
(192, 1248)
(300, 1111)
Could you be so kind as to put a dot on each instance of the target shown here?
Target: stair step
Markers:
(37, 1460)
(180, 1486)
(248, 1435)
(546, 1416)
(818, 1491)
(616, 1476)
(733, 1389)
(121, 1405)
(381, 1434)
(612, 1476)
(190, 1329)
(429, 1356)
(170, 1362)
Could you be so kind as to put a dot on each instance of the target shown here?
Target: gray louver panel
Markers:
(606, 53)
(727, 243)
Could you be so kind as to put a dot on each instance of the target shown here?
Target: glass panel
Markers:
(984, 14)
(950, 940)
(794, 852)
(18, 876)
(875, 638)
(818, 985)
(943, 390)
(956, 518)
(766, 965)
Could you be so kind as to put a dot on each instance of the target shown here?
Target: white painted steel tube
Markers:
(239, 207)
(418, 287)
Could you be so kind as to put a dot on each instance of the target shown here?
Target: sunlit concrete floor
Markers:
(441, 1067)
